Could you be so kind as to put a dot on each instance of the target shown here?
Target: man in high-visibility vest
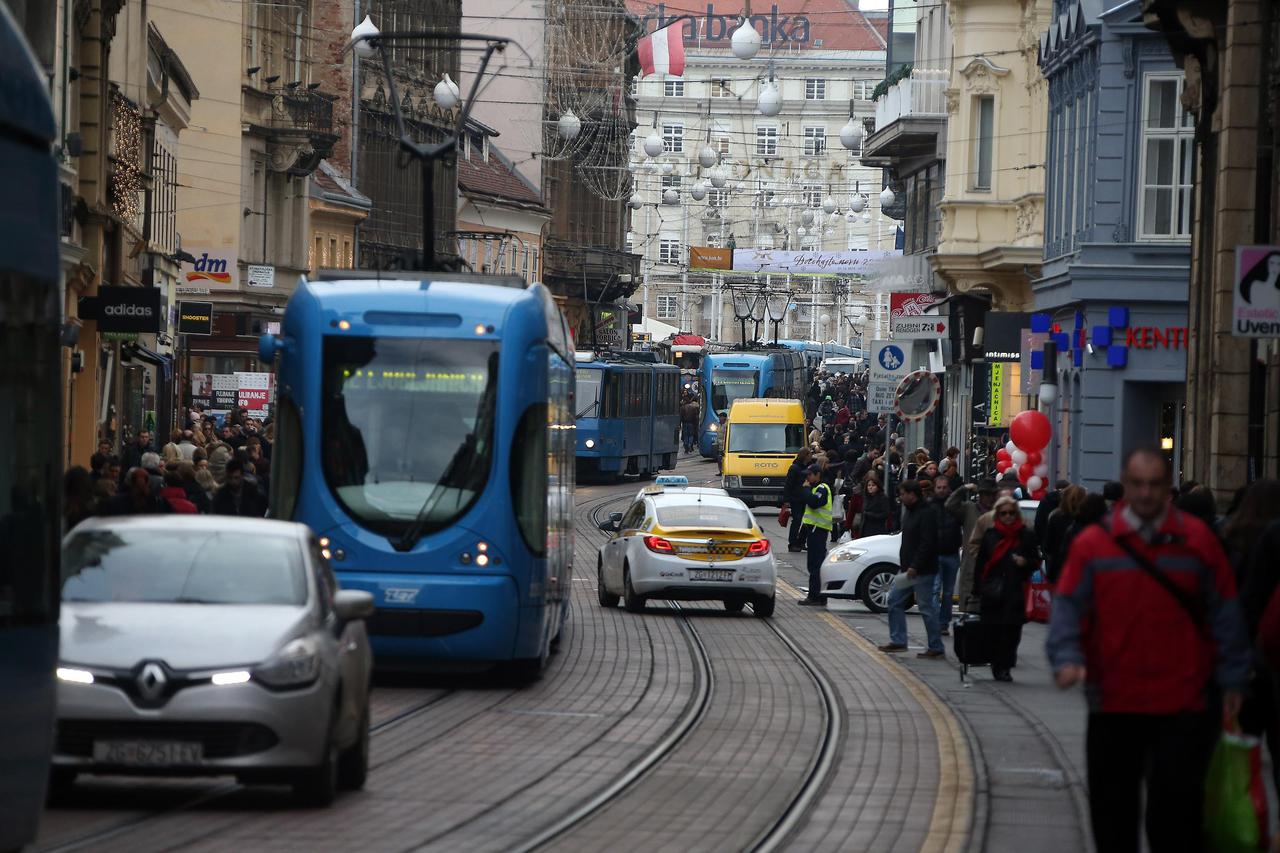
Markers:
(817, 524)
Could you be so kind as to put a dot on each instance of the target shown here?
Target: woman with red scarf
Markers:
(1006, 560)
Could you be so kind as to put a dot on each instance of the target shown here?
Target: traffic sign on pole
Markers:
(888, 365)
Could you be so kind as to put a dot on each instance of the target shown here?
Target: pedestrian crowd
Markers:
(204, 468)
(1164, 608)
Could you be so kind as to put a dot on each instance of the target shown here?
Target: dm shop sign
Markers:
(1256, 306)
(214, 268)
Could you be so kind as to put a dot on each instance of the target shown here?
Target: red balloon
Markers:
(1002, 455)
(1033, 458)
(1025, 472)
(1031, 430)
(1039, 494)
(1003, 465)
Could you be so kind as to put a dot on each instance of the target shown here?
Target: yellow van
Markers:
(760, 440)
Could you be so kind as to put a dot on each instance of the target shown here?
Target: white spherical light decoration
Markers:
(745, 41)
(670, 196)
(886, 197)
(739, 187)
(769, 103)
(635, 202)
(668, 168)
(718, 178)
(569, 126)
(807, 217)
(866, 215)
(857, 204)
(851, 134)
(828, 205)
(825, 318)
(446, 93)
(708, 157)
(801, 231)
(364, 49)
(653, 144)
(698, 191)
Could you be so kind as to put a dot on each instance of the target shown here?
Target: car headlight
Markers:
(295, 665)
(732, 481)
(846, 556)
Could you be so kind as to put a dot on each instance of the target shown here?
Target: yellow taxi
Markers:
(686, 544)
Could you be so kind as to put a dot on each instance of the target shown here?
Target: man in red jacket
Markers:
(1146, 616)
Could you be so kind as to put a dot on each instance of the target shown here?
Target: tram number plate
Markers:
(710, 574)
(147, 753)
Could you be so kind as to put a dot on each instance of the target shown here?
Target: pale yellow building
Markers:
(337, 209)
(992, 210)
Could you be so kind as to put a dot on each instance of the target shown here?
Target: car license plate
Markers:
(710, 574)
(147, 753)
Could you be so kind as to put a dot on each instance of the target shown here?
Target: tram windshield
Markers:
(587, 392)
(766, 438)
(407, 429)
(730, 385)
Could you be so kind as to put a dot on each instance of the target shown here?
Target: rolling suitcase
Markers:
(970, 642)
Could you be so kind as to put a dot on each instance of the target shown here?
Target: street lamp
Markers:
(569, 126)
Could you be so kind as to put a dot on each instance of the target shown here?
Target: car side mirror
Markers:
(613, 524)
(352, 604)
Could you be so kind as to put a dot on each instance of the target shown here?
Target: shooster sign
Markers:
(214, 268)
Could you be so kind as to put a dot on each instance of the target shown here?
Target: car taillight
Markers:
(658, 545)
(758, 548)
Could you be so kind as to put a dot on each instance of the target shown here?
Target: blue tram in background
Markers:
(815, 353)
(763, 371)
(424, 430)
(628, 414)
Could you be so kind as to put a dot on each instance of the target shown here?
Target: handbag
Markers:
(1039, 599)
(1235, 799)
(784, 515)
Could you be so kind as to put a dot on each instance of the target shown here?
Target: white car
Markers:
(862, 569)
(686, 544)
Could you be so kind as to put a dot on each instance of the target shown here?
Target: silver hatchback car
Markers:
(210, 645)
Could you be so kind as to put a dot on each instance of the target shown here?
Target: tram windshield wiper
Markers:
(414, 533)
(594, 404)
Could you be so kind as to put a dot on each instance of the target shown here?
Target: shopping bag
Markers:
(1235, 800)
(845, 537)
(1039, 600)
(784, 515)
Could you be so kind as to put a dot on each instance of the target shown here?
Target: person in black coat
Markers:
(794, 493)
(877, 511)
(237, 496)
(1007, 557)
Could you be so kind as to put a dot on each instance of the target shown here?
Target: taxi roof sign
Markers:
(671, 480)
(652, 490)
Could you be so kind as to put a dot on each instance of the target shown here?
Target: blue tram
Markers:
(815, 353)
(766, 371)
(628, 415)
(424, 429)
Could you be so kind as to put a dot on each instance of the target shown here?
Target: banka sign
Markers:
(777, 27)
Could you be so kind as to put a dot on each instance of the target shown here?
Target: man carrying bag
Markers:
(1145, 614)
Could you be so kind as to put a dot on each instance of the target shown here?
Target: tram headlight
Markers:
(714, 428)
(589, 443)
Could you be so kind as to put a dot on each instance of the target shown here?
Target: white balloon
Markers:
(653, 144)
(1042, 470)
(1034, 483)
(366, 27)
(446, 93)
(1010, 446)
(1019, 456)
(569, 126)
(745, 41)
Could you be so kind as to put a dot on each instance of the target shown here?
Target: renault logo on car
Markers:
(151, 682)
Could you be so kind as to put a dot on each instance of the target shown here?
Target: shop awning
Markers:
(164, 362)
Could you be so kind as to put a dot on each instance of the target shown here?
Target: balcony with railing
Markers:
(910, 118)
(297, 120)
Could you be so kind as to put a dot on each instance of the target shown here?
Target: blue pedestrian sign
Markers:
(891, 358)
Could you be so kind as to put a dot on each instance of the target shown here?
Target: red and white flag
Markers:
(662, 52)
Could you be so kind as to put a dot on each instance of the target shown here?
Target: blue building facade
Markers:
(1118, 206)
